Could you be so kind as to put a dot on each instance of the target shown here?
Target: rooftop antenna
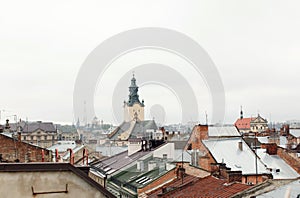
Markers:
(206, 120)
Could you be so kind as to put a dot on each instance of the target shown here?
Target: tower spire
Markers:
(242, 116)
(133, 93)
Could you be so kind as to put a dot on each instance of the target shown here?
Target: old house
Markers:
(12, 149)
(223, 146)
(43, 134)
(252, 124)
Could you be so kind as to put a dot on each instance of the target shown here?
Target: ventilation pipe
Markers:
(241, 145)
(56, 155)
(43, 155)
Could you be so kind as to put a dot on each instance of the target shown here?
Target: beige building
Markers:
(43, 134)
(252, 124)
(48, 180)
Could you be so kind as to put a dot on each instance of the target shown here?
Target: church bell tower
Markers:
(133, 108)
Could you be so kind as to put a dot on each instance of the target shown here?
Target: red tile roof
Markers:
(205, 187)
(243, 123)
(188, 179)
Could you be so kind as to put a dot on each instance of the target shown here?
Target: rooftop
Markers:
(63, 146)
(295, 132)
(151, 169)
(33, 126)
(279, 168)
(223, 131)
(187, 179)
(109, 150)
(138, 130)
(243, 123)
(292, 189)
(205, 187)
(116, 162)
(227, 150)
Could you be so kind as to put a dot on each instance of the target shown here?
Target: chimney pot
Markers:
(241, 145)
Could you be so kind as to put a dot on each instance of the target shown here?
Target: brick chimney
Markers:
(230, 176)
(180, 172)
(271, 148)
(19, 136)
(202, 131)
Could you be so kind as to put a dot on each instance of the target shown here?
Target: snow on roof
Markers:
(279, 168)
(227, 150)
(295, 132)
(63, 146)
(110, 150)
(182, 156)
(291, 189)
(223, 131)
(75, 150)
(265, 140)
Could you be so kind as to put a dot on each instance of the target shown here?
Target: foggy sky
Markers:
(254, 44)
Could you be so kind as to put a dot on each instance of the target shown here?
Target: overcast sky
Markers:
(254, 44)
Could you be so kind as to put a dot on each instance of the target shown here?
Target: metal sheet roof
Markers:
(227, 150)
(274, 162)
(293, 189)
(223, 131)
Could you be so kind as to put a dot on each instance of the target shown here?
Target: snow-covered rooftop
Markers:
(63, 146)
(289, 190)
(279, 168)
(265, 140)
(295, 132)
(227, 150)
(223, 131)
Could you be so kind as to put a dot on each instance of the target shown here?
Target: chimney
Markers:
(230, 176)
(202, 131)
(241, 145)
(135, 145)
(271, 148)
(140, 165)
(7, 124)
(19, 136)
(151, 165)
(180, 172)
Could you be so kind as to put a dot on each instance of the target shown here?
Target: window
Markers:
(165, 156)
